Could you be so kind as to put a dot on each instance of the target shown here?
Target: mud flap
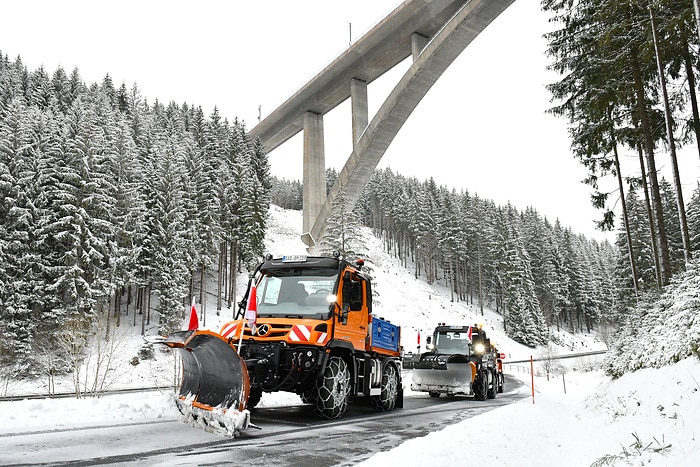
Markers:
(399, 398)
(214, 376)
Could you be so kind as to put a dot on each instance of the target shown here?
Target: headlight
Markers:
(479, 348)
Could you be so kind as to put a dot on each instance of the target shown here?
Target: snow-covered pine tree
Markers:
(673, 227)
(643, 252)
(694, 219)
(19, 222)
(79, 230)
(129, 212)
(448, 230)
(523, 319)
(164, 245)
(427, 251)
(255, 194)
(40, 93)
(342, 231)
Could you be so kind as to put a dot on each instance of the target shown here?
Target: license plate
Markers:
(294, 259)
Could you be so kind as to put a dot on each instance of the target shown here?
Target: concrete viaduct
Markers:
(434, 33)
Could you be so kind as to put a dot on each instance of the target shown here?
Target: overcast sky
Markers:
(481, 128)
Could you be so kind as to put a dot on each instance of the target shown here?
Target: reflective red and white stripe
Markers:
(300, 333)
(229, 329)
(322, 338)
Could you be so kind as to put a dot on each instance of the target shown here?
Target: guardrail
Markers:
(83, 395)
(410, 360)
(557, 357)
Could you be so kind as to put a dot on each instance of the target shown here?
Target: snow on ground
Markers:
(650, 417)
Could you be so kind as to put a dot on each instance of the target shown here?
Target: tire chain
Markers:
(332, 392)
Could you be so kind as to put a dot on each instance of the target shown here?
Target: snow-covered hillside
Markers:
(410, 302)
(650, 417)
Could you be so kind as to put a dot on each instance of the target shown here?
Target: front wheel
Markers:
(332, 390)
(480, 386)
(390, 390)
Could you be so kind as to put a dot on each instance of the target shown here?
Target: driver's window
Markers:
(357, 294)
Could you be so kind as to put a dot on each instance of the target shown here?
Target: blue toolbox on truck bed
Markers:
(385, 335)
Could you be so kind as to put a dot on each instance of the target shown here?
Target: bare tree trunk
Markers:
(219, 280)
(202, 294)
(451, 281)
(118, 306)
(481, 281)
(143, 323)
(650, 216)
(108, 323)
(139, 304)
(696, 6)
(232, 274)
(693, 95)
(625, 217)
(671, 143)
(662, 240)
(225, 272)
(191, 287)
(148, 303)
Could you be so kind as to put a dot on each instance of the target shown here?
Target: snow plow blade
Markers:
(441, 375)
(215, 384)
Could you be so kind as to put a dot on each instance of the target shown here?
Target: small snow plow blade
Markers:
(215, 382)
(443, 374)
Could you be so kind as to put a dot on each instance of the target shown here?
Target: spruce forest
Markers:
(114, 210)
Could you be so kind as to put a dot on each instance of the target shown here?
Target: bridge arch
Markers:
(435, 33)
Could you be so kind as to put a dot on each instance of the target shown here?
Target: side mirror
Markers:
(428, 340)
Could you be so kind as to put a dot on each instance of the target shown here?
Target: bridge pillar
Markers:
(314, 173)
(359, 104)
(418, 43)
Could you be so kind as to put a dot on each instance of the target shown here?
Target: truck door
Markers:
(352, 326)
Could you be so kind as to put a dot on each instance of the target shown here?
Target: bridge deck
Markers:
(382, 48)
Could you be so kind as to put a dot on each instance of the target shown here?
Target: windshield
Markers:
(296, 292)
(452, 342)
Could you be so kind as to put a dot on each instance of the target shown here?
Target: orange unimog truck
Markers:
(314, 334)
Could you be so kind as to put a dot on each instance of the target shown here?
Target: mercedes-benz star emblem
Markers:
(263, 329)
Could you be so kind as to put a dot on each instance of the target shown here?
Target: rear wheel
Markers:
(491, 391)
(390, 389)
(332, 390)
(434, 394)
(480, 386)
